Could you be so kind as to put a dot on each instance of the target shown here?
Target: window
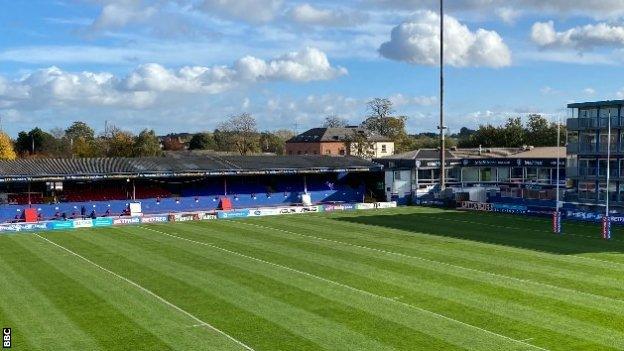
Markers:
(384, 148)
(588, 113)
(299, 152)
(397, 175)
(342, 152)
(328, 152)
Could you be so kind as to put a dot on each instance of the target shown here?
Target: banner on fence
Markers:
(233, 214)
(365, 206)
(509, 208)
(102, 222)
(390, 204)
(126, 220)
(83, 223)
(154, 219)
(18, 227)
(60, 225)
(476, 206)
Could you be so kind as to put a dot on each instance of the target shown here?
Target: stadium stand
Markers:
(164, 185)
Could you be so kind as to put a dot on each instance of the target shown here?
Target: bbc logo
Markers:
(6, 338)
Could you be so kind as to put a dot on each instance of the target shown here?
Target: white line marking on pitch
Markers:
(140, 287)
(348, 287)
(439, 263)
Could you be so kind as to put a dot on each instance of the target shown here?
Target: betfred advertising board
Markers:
(126, 220)
(154, 219)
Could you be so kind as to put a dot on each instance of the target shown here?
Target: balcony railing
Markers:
(592, 148)
(590, 123)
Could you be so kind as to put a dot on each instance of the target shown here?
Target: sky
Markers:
(187, 65)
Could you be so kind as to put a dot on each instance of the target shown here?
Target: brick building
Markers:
(338, 142)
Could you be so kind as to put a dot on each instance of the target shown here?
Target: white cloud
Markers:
(119, 13)
(310, 15)
(141, 87)
(509, 15)
(589, 91)
(418, 42)
(597, 9)
(400, 100)
(579, 38)
(254, 11)
(548, 91)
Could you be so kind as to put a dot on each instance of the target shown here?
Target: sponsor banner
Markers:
(585, 216)
(126, 220)
(260, 212)
(331, 208)
(154, 219)
(102, 222)
(18, 227)
(208, 216)
(184, 217)
(509, 208)
(390, 204)
(476, 206)
(437, 203)
(348, 207)
(83, 223)
(232, 214)
(364, 206)
(60, 225)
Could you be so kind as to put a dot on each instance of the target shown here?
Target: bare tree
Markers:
(334, 121)
(242, 131)
(380, 108)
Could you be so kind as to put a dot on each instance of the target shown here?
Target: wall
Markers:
(303, 149)
(401, 187)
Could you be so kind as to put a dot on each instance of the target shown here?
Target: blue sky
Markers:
(185, 65)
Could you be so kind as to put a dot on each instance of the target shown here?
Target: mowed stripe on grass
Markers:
(407, 278)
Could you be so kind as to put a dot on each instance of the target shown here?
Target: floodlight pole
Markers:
(558, 158)
(441, 127)
(606, 230)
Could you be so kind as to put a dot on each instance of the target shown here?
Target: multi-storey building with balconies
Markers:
(587, 147)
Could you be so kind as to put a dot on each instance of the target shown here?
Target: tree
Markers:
(485, 136)
(380, 108)
(202, 141)
(334, 121)
(360, 144)
(34, 142)
(119, 143)
(513, 133)
(380, 121)
(146, 144)
(6, 148)
(80, 130)
(271, 143)
(539, 132)
(243, 132)
(81, 137)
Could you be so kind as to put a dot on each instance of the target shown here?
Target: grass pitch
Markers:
(398, 279)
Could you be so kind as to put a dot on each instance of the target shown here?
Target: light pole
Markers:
(557, 214)
(441, 127)
(606, 221)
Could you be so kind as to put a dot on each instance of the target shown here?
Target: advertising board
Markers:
(232, 214)
(154, 219)
(102, 222)
(83, 223)
(126, 220)
(365, 206)
(18, 227)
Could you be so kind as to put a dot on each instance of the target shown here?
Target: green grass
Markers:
(404, 279)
